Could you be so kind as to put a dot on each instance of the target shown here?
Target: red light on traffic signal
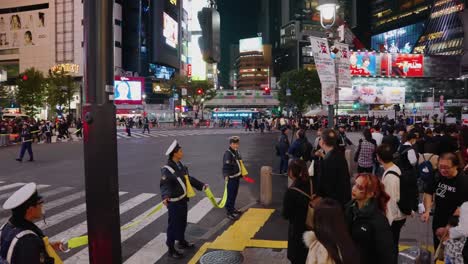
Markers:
(25, 77)
(267, 89)
(199, 91)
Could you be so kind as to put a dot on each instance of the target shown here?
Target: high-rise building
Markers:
(253, 64)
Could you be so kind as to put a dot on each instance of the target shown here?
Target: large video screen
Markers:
(406, 65)
(128, 90)
(160, 71)
(170, 30)
(400, 40)
(251, 44)
(362, 63)
(373, 94)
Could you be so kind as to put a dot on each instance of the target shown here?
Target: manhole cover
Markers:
(222, 257)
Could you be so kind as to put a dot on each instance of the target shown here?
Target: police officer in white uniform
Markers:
(174, 196)
(21, 241)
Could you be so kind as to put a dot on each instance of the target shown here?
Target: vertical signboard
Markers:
(342, 60)
(325, 68)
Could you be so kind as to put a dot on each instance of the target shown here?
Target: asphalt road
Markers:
(60, 165)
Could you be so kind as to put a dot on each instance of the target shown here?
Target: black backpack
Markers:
(306, 149)
(408, 191)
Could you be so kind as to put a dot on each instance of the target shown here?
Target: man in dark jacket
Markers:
(282, 150)
(20, 234)
(26, 143)
(391, 140)
(342, 139)
(173, 187)
(301, 148)
(333, 179)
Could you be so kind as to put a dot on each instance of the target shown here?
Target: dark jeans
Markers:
(177, 222)
(284, 164)
(232, 190)
(26, 146)
(364, 170)
(146, 128)
(396, 229)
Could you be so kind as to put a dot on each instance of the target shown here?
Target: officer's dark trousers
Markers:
(26, 146)
(284, 164)
(146, 128)
(232, 190)
(177, 222)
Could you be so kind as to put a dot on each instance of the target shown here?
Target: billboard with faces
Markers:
(128, 90)
(24, 29)
(363, 63)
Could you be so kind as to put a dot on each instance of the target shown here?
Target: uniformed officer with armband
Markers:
(174, 195)
(21, 241)
(26, 143)
(232, 171)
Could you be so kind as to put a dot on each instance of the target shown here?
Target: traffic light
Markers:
(209, 42)
(266, 90)
(356, 105)
(24, 77)
(199, 91)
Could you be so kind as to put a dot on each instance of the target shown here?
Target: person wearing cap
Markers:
(174, 195)
(232, 173)
(21, 240)
(26, 143)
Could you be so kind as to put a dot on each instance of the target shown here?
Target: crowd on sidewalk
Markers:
(41, 130)
(404, 170)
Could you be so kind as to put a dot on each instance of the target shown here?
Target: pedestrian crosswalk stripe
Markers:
(81, 256)
(6, 195)
(64, 200)
(81, 228)
(156, 248)
(199, 210)
(55, 191)
(122, 135)
(62, 216)
(150, 252)
(11, 186)
(143, 135)
(136, 135)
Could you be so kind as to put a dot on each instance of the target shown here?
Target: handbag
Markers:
(313, 202)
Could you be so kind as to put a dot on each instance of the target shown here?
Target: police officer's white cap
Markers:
(171, 147)
(20, 196)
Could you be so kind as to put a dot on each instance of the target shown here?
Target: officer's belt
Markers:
(171, 170)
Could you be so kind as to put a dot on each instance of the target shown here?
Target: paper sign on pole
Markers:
(342, 60)
(328, 93)
(323, 61)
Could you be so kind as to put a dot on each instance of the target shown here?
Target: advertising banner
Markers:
(170, 30)
(342, 60)
(24, 29)
(372, 94)
(406, 65)
(382, 113)
(363, 63)
(328, 93)
(400, 40)
(323, 61)
(465, 119)
(128, 90)
(251, 44)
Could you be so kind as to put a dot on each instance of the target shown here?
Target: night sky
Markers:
(238, 20)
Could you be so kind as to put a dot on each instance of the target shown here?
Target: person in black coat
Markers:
(282, 150)
(391, 140)
(173, 187)
(333, 179)
(26, 143)
(295, 206)
(369, 227)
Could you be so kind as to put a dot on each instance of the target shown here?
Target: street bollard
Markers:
(265, 185)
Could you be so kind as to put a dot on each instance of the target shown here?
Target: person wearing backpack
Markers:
(301, 147)
(391, 181)
(295, 207)
(407, 160)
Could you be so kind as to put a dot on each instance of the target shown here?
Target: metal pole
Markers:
(100, 135)
(331, 112)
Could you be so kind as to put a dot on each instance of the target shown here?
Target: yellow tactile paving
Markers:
(267, 244)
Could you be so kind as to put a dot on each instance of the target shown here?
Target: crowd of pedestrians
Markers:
(403, 170)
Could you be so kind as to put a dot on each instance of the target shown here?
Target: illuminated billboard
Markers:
(170, 31)
(250, 44)
(406, 65)
(373, 94)
(362, 63)
(128, 90)
(161, 72)
(400, 40)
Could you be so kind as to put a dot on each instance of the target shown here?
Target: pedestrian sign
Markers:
(415, 110)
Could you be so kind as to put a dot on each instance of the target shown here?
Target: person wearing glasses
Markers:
(21, 240)
(365, 216)
(447, 194)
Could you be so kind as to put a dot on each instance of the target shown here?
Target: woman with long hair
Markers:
(369, 228)
(295, 206)
(330, 242)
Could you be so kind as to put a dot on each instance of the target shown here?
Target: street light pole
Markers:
(100, 135)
